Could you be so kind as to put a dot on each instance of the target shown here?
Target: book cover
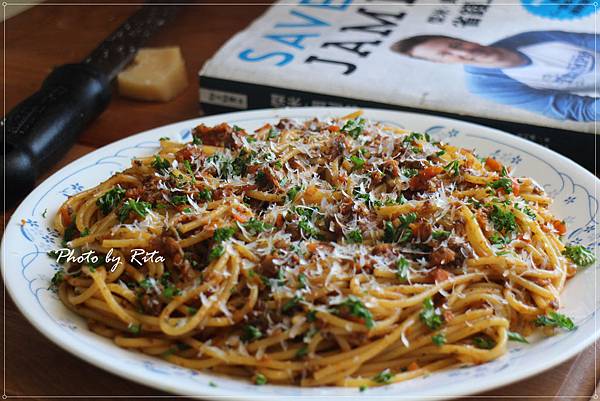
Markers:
(531, 62)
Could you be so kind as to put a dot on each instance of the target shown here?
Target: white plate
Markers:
(29, 235)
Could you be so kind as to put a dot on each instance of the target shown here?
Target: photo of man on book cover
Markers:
(551, 73)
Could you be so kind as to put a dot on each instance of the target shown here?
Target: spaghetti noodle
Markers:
(335, 252)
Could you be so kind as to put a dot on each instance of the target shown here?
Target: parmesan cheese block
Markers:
(155, 74)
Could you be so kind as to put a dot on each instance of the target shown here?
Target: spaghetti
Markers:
(334, 252)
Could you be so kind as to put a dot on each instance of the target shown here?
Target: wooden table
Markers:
(46, 36)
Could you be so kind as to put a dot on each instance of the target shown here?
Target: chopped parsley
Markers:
(222, 164)
(402, 266)
(251, 333)
(438, 339)
(188, 167)
(179, 199)
(293, 192)
(302, 352)
(161, 165)
(260, 379)
(70, 232)
(503, 219)
(54, 255)
(307, 228)
(170, 291)
(529, 213)
(223, 234)
(110, 199)
(498, 239)
(409, 172)
(205, 195)
(389, 232)
(140, 208)
(512, 336)
(580, 255)
(254, 226)
(147, 283)
(430, 316)
(354, 128)
(453, 167)
(216, 252)
(383, 377)
(196, 140)
(400, 200)
(302, 281)
(57, 280)
(476, 204)
(407, 219)
(504, 183)
(402, 233)
(554, 319)
(440, 234)
(354, 237)
(484, 342)
(358, 162)
(356, 308)
(413, 136)
(135, 329)
(292, 304)
(239, 165)
(366, 197)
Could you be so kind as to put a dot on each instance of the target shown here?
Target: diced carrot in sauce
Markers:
(413, 366)
(279, 221)
(522, 238)
(419, 181)
(312, 247)
(440, 275)
(560, 227)
(253, 168)
(493, 164)
(516, 188)
(333, 128)
(241, 214)
(240, 217)
(267, 126)
(66, 217)
(431, 171)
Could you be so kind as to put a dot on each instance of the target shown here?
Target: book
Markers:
(528, 67)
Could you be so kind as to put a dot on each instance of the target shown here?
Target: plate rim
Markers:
(208, 392)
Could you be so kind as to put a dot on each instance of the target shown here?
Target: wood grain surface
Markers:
(49, 35)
